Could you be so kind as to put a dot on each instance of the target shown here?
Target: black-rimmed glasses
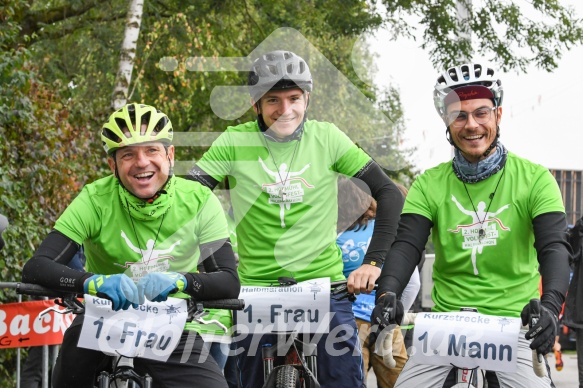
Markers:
(459, 119)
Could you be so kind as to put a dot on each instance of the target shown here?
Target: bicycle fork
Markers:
(300, 353)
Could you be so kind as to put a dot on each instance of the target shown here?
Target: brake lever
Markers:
(216, 322)
(70, 305)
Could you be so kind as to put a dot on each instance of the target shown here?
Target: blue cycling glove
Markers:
(157, 286)
(119, 288)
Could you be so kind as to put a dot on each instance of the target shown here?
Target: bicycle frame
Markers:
(292, 361)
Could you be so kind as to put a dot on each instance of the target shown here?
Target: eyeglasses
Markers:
(459, 119)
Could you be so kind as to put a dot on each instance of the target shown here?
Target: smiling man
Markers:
(497, 222)
(283, 170)
(144, 233)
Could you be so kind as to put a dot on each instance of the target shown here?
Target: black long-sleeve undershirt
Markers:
(553, 251)
(389, 206)
(405, 253)
(47, 268)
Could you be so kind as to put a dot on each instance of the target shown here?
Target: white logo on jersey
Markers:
(153, 260)
(287, 188)
(480, 220)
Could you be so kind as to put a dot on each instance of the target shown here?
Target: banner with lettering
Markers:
(467, 340)
(21, 325)
(152, 330)
(302, 307)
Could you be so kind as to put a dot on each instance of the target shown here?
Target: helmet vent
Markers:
(272, 69)
(160, 125)
(478, 70)
(110, 135)
(145, 121)
(290, 68)
(121, 124)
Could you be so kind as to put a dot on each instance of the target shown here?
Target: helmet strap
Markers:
(494, 143)
(448, 137)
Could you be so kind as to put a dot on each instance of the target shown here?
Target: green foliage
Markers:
(58, 61)
(511, 34)
(45, 160)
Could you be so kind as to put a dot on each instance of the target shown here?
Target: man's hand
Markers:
(387, 311)
(363, 279)
(157, 286)
(543, 332)
(119, 288)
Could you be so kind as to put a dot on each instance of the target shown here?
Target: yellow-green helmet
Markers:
(124, 127)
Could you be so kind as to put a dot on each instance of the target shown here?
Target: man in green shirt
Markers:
(283, 171)
(497, 220)
(143, 225)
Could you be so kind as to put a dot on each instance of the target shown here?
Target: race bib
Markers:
(303, 307)
(466, 340)
(152, 330)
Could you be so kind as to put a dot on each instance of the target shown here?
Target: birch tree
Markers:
(128, 54)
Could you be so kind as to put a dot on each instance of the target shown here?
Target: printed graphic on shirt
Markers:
(152, 260)
(482, 231)
(287, 189)
(353, 251)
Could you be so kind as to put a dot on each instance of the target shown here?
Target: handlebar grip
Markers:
(36, 290)
(225, 304)
(538, 362)
(387, 349)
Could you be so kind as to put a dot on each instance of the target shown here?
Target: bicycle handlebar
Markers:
(224, 304)
(37, 290)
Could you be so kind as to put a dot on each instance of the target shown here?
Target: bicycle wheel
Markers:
(287, 377)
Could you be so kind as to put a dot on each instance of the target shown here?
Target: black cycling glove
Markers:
(542, 333)
(388, 311)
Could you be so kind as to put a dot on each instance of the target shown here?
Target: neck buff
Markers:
(476, 172)
(142, 210)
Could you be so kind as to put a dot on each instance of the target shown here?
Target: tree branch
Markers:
(34, 20)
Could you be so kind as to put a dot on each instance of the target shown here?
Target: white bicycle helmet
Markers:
(124, 127)
(466, 75)
(277, 70)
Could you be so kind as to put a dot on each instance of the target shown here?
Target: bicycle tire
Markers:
(287, 377)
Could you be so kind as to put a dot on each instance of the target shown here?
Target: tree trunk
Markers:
(128, 53)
